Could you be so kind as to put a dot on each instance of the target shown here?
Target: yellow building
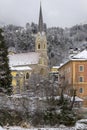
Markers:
(24, 64)
(54, 72)
(54, 69)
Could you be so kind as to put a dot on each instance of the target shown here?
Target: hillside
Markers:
(60, 40)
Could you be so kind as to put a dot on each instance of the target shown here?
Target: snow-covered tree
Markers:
(5, 73)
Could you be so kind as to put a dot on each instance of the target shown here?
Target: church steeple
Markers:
(40, 24)
(41, 46)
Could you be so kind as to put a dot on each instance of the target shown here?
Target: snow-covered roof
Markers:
(81, 124)
(12, 49)
(81, 55)
(56, 67)
(1, 128)
(23, 59)
(21, 68)
(16, 96)
(77, 99)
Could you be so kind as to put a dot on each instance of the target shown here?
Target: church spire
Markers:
(40, 25)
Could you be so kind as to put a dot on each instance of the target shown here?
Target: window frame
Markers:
(39, 46)
(82, 68)
(27, 74)
(81, 90)
(81, 80)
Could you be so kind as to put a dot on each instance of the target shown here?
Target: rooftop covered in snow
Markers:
(23, 59)
(81, 56)
(21, 68)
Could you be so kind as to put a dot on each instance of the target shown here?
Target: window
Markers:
(17, 75)
(81, 79)
(81, 68)
(81, 90)
(27, 75)
(39, 46)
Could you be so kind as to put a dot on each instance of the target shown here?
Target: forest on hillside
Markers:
(59, 40)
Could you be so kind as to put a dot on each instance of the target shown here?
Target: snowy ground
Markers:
(19, 128)
(80, 125)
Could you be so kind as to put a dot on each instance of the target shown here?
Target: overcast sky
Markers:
(62, 13)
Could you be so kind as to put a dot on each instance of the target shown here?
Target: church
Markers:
(24, 64)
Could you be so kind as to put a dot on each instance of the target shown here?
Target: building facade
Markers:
(74, 75)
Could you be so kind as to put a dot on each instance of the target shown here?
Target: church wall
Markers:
(19, 80)
(40, 67)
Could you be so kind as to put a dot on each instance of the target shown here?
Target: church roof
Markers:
(21, 59)
(21, 68)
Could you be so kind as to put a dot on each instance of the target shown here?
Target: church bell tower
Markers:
(41, 41)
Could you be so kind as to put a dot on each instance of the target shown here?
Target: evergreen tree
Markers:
(5, 73)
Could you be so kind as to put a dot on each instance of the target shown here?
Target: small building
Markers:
(54, 72)
(54, 69)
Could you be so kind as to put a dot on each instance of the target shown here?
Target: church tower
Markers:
(41, 43)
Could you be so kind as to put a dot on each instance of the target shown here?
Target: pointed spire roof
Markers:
(40, 24)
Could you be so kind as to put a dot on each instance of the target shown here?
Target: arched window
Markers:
(27, 75)
(38, 46)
